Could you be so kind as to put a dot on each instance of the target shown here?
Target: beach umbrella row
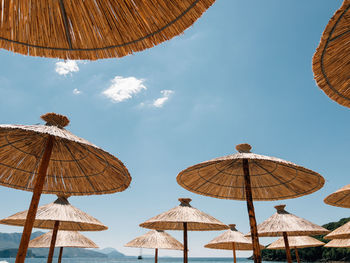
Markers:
(185, 218)
(63, 239)
(50, 159)
(57, 215)
(248, 176)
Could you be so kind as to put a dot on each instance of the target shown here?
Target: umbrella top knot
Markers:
(280, 209)
(62, 200)
(232, 227)
(185, 201)
(243, 148)
(160, 231)
(54, 119)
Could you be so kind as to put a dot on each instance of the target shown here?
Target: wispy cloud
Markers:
(162, 100)
(123, 88)
(66, 67)
(76, 92)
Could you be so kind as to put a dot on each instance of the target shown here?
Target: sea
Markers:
(130, 260)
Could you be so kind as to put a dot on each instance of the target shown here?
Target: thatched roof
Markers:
(70, 217)
(271, 178)
(340, 232)
(156, 239)
(296, 242)
(225, 240)
(76, 167)
(340, 198)
(282, 221)
(64, 239)
(174, 219)
(331, 62)
(94, 29)
(339, 243)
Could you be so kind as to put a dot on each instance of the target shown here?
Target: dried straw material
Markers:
(225, 240)
(340, 232)
(282, 221)
(339, 243)
(340, 198)
(155, 239)
(94, 29)
(271, 178)
(184, 213)
(64, 239)
(76, 166)
(331, 62)
(70, 217)
(296, 242)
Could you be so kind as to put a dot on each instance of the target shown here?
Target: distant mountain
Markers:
(9, 243)
(111, 252)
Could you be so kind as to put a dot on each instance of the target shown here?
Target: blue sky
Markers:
(241, 73)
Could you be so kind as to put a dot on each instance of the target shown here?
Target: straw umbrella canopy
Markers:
(331, 62)
(342, 232)
(50, 159)
(285, 224)
(157, 239)
(94, 29)
(340, 198)
(248, 176)
(345, 243)
(233, 240)
(57, 215)
(64, 239)
(184, 217)
(296, 242)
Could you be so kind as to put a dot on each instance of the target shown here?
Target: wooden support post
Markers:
(297, 254)
(234, 252)
(251, 213)
(53, 241)
(156, 256)
(286, 244)
(185, 243)
(38, 188)
(60, 256)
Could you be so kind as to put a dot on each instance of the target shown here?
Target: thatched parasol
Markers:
(340, 198)
(285, 224)
(94, 29)
(50, 159)
(248, 176)
(341, 232)
(57, 215)
(157, 239)
(344, 242)
(184, 217)
(64, 239)
(233, 240)
(296, 242)
(331, 62)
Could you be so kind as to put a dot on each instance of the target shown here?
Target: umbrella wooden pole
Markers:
(60, 256)
(286, 244)
(156, 256)
(185, 243)
(38, 188)
(250, 206)
(53, 241)
(297, 254)
(234, 252)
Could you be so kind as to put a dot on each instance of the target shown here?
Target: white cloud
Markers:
(76, 92)
(124, 88)
(160, 101)
(66, 67)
